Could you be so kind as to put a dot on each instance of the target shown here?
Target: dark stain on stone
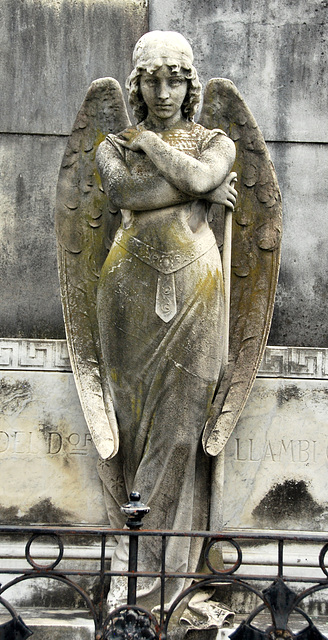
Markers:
(54, 439)
(288, 392)
(46, 427)
(55, 595)
(14, 396)
(20, 191)
(44, 512)
(8, 514)
(288, 502)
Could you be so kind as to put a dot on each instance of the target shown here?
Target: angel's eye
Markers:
(175, 82)
(150, 82)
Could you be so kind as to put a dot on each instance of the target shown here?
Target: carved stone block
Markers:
(47, 460)
(276, 459)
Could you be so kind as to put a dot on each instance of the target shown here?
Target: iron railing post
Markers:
(135, 511)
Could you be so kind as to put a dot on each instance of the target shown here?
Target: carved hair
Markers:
(191, 101)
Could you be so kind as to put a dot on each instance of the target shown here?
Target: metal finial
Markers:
(134, 510)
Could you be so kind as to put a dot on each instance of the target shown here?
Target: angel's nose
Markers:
(163, 90)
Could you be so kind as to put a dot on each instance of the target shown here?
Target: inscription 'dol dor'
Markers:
(41, 442)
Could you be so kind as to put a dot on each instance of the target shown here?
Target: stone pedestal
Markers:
(48, 461)
(275, 461)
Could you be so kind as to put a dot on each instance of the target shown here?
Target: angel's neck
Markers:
(154, 123)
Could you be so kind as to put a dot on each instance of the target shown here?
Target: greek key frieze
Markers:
(294, 362)
(31, 354)
(52, 355)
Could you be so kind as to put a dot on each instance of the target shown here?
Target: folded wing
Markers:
(85, 225)
(256, 240)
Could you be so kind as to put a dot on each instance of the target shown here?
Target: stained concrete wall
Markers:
(274, 52)
(51, 51)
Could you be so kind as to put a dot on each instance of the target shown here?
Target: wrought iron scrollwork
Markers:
(14, 629)
(130, 623)
(221, 571)
(281, 602)
(51, 565)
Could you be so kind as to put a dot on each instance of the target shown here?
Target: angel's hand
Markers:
(226, 193)
(134, 140)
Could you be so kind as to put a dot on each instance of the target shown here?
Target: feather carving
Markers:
(255, 256)
(85, 226)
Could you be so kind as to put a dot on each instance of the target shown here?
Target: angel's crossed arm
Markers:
(166, 176)
(138, 188)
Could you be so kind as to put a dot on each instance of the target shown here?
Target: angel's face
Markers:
(163, 92)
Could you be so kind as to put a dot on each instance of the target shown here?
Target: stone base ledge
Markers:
(13, 551)
(300, 558)
(65, 624)
(57, 624)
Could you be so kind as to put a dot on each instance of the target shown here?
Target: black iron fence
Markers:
(281, 592)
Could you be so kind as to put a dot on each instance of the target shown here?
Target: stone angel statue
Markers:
(161, 371)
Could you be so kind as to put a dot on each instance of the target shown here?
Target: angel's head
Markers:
(169, 51)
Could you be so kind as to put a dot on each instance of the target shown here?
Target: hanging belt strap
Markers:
(166, 263)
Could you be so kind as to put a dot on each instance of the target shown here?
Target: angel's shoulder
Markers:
(213, 139)
(205, 136)
(130, 128)
(109, 148)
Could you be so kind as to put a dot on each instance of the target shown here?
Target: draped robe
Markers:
(160, 315)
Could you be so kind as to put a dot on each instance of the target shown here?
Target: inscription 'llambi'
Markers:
(297, 451)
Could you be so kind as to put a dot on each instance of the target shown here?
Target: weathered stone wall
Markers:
(276, 54)
(51, 51)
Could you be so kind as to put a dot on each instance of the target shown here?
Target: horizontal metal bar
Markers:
(224, 577)
(220, 535)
